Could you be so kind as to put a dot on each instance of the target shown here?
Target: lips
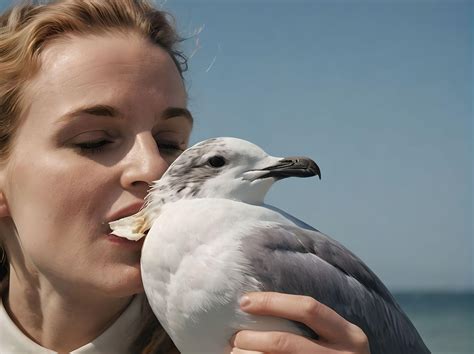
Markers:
(126, 211)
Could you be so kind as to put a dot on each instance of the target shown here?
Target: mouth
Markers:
(124, 242)
(125, 211)
(129, 224)
(132, 227)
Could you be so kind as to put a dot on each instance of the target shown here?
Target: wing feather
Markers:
(289, 259)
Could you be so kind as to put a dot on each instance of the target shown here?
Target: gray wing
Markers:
(294, 260)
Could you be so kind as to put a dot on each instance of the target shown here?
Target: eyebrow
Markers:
(102, 110)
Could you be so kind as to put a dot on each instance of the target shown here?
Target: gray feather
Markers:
(292, 260)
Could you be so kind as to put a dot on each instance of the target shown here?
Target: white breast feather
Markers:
(195, 268)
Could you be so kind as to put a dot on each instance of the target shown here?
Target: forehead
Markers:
(79, 69)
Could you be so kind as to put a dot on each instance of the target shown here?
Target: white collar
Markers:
(116, 339)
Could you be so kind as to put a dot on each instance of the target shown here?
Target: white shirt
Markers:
(115, 340)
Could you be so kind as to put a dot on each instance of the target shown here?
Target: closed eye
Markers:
(170, 148)
(169, 151)
(93, 147)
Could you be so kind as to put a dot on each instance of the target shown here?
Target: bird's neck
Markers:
(161, 194)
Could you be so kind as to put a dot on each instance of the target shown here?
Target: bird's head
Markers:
(227, 168)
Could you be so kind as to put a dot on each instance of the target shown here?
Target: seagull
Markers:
(210, 238)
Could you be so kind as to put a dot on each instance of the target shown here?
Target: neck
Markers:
(58, 320)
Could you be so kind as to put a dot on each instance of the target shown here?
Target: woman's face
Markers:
(104, 117)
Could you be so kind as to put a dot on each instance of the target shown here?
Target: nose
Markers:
(143, 164)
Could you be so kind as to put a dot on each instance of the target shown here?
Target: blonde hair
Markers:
(24, 31)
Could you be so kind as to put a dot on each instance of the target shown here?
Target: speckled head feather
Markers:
(189, 174)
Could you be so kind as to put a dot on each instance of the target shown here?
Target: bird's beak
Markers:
(132, 227)
(291, 167)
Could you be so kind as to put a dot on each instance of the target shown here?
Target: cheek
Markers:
(57, 208)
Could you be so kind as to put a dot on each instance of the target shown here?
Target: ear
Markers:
(4, 210)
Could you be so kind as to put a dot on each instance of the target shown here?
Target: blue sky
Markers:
(379, 93)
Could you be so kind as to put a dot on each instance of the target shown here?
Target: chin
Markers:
(125, 282)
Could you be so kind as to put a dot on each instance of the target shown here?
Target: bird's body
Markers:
(213, 239)
(195, 272)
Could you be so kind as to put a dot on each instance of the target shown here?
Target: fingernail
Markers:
(244, 301)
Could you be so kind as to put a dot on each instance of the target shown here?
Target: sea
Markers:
(445, 321)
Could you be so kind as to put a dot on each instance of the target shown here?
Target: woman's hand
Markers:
(336, 334)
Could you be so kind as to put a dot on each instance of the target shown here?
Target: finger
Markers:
(277, 343)
(329, 325)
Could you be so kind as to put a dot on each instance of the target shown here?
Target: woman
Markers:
(92, 110)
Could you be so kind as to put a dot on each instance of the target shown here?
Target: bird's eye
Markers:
(216, 161)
